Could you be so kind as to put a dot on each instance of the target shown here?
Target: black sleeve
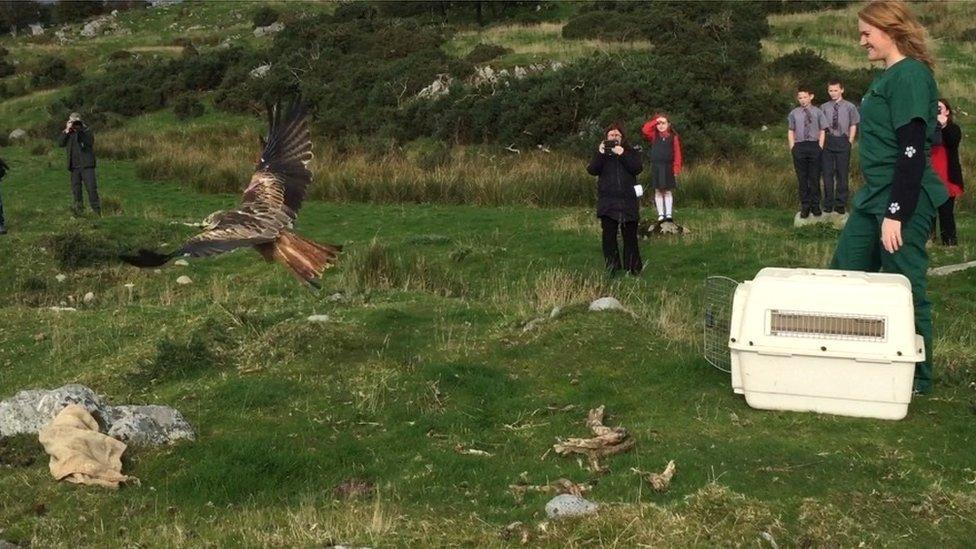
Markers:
(63, 139)
(632, 161)
(596, 165)
(86, 138)
(906, 185)
(951, 136)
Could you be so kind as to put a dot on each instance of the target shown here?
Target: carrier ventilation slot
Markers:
(826, 325)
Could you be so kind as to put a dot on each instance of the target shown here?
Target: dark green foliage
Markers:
(264, 16)
(604, 25)
(20, 450)
(187, 106)
(461, 11)
(809, 69)
(482, 53)
(6, 68)
(428, 153)
(69, 12)
(799, 6)
(178, 358)
(33, 283)
(15, 14)
(120, 55)
(76, 247)
(53, 71)
(968, 35)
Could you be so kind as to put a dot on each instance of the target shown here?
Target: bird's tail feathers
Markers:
(147, 258)
(305, 258)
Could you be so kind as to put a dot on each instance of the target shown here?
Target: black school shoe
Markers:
(840, 210)
(816, 212)
(804, 213)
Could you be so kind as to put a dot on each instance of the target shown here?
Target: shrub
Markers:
(482, 53)
(807, 68)
(76, 247)
(968, 35)
(53, 71)
(264, 16)
(6, 68)
(120, 55)
(187, 106)
(603, 25)
(428, 153)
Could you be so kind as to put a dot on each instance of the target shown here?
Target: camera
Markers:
(609, 144)
(76, 124)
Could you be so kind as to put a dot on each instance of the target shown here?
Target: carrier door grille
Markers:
(826, 325)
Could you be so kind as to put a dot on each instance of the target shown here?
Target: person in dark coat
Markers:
(945, 162)
(616, 165)
(79, 141)
(3, 172)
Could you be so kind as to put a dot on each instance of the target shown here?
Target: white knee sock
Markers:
(659, 202)
(668, 204)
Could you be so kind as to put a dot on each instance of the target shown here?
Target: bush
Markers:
(428, 153)
(264, 16)
(76, 247)
(6, 68)
(120, 55)
(482, 53)
(53, 72)
(604, 25)
(968, 35)
(807, 68)
(187, 106)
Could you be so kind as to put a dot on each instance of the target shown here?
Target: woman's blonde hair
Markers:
(898, 21)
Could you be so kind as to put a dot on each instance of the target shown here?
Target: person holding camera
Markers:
(3, 172)
(79, 140)
(616, 166)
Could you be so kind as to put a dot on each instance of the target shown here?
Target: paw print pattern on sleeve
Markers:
(893, 208)
(910, 151)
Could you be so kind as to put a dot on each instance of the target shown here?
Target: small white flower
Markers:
(909, 151)
(894, 207)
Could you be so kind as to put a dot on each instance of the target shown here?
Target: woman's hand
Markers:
(891, 235)
(601, 149)
(618, 150)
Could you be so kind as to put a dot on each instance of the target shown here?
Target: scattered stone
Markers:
(36, 29)
(336, 297)
(949, 269)
(273, 28)
(150, 424)
(440, 86)
(606, 304)
(181, 263)
(7, 545)
(184, 280)
(318, 318)
(352, 488)
(60, 277)
(533, 324)
(39, 337)
(570, 506)
(98, 26)
(89, 297)
(19, 133)
(556, 311)
(62, 309)
(29, 411)
(260, 71)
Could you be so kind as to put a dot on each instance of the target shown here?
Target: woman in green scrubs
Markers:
(893, 211)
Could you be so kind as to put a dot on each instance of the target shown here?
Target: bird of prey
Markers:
(263, 220)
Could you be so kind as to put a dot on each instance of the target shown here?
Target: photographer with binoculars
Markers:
(78, 138)
(616, 165)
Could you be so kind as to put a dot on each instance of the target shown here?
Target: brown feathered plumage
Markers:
(270, 204)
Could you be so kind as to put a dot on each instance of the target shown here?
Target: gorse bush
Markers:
(53, 71)
(264, 16)
(809, 69)
(187, 106)
(75, 247)
(482, 53)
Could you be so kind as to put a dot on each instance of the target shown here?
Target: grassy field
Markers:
(426, 354)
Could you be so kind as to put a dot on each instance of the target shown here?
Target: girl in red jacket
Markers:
(665, 157)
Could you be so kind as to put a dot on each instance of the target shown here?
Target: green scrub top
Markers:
(904, 91)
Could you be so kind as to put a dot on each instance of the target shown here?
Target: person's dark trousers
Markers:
(86, 176)
(632, 259)
(836, 167)
(807, 163)
(2, 221)
(947, 222)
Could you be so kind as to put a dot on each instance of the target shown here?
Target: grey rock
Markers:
(336, 298)
(440, 86)
(4, 544)
(273, 28)
(28, 411)
(36, 29)
(149, 424)
(606, 304)
(569, 506)
(19, 133)
(556, 311)
(260, 71)
(318, 318)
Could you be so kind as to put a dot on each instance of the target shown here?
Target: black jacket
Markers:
(616, 197)
(81, 147)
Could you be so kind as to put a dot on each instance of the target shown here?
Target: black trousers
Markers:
(1, 212)
(86, 175)
(947, 222)
(836, 168)
(807, 162)
(628, 229)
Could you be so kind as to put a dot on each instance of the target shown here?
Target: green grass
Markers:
(426, 351)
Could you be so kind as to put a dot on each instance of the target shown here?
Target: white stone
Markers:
(277, 26)
(17, 134)
(60, 277)
(606, 304)
(440, 86)
(89, 297)
(36, 29)
(260, 71)
(318, 318)
(181, 263)
(149, 424)
(569, 506)
(184, 280)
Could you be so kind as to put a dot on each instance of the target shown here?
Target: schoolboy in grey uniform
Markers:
(842, 121)
(806, 140)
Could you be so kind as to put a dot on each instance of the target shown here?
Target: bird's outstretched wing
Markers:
(281, 177)
(271, 200)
